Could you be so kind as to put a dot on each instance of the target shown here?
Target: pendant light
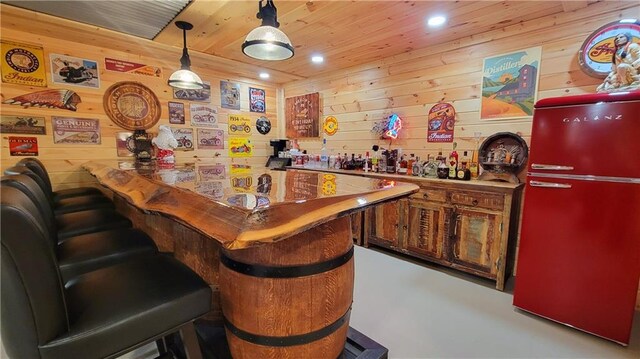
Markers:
(185, 78)
(266, 42)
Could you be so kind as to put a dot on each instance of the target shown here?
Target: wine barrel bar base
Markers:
(214, 345)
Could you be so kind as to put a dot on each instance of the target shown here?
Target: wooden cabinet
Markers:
(384, 228)
(453, 224)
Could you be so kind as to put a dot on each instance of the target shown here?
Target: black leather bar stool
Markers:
(38, 167)
(101, 314)
(62, 205)
(81, 254)
(69, 224)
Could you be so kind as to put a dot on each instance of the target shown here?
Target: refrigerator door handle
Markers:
(549, 184)
(539, 166)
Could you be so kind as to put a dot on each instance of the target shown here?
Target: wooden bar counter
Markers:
(282, 242)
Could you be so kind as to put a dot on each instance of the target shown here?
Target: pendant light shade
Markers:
(185, 78)
(267, 42)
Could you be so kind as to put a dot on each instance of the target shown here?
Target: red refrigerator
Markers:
(579, 256)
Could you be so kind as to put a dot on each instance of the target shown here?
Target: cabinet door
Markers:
(475, 241)
(385, 223)
(426, 228)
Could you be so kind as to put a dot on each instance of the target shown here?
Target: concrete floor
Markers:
(424, 311)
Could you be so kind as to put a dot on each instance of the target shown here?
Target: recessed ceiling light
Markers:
(436, 21)
(264, 75)
(317, 59)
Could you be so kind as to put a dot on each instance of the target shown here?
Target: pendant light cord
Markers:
(184, 60)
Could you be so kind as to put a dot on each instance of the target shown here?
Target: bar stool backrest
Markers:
(30, 188)
(39, 169)
(24, 170)
(32, 302)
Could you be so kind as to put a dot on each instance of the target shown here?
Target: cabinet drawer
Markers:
(427, 194)
(478, 199)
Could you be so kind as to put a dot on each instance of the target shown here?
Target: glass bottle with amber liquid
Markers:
(464, 173)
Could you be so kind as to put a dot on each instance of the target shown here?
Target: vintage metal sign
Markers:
(26, 125)
(211, 172)
(263, 125)
(210, 139)
(302, 116)
(23, 146)
(75, 130)
(184, 136)
(212, 189)
(132, 105)
(203, 115)
(240, 147)
(63, 99)
(23, 64)
(239, 125)
(132, 67)
(69, 70)
(176, 113)
(230, 95)
(201, 95)
(330, 125)
(441, 123)
(257, 100)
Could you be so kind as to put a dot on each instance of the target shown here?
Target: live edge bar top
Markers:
(241, 206)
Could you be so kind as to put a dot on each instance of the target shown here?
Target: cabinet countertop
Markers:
(493, 186)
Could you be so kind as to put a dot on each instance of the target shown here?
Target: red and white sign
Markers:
(442, 118)
(132, 67)
(23, 146)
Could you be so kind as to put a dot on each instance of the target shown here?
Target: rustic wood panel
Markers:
(63, 37)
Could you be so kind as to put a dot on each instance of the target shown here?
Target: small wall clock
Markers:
(598, 49)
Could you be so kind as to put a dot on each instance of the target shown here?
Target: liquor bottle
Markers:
(345, 161)
(366, 161)
(463, 171)
(416, 169)
(324, 159)
(410, 161)
(374, 158)
(382, 161)
(391, 161)
(443, 170)
(351, 165)
(430, 168)
(402, 168)
(440, 159)
(453, 163)
(473, 165)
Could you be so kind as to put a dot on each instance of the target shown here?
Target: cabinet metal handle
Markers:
(425, 196)
(539, 166)
(455, 225)
(474, 202)
(404, 227)
(549, 184)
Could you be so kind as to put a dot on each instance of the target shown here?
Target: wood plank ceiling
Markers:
(349, 33)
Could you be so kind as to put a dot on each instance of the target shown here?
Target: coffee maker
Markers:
(275, 161)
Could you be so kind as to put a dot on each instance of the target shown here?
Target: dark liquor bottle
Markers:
(391, 161)
(402, 169)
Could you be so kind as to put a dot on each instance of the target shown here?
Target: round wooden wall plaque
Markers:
(132, 105)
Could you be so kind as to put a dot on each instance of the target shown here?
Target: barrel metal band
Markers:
(256, 270)
(287, 341)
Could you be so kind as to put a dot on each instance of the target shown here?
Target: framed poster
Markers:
(257, 101)
(240, 147)
(239, 125)
(510, 84)
(23, 146)
(25, 125)
(184, 136)
(201, 95)
(176, 113)
(203, 115)
(23, 64)
(84, 131)
(230, 95)
(302, 116)
(210, 139)
(68, 70)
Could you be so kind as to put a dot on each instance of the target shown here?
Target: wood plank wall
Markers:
(411, 83)
(63, 160)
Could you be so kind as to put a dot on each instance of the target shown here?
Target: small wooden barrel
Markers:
(290, 299)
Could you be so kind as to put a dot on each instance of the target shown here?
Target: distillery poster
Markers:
(23, 64)
(302, 116)
(510, 84)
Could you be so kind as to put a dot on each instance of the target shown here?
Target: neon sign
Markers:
(395, 124)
